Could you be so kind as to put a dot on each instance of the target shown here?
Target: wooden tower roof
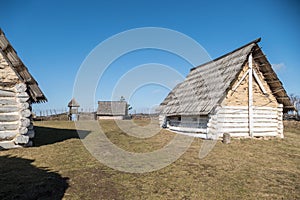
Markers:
(73, 103)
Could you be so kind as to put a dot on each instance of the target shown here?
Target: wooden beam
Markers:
(263, 64)
(282, 98)
(250, 97)
(259, 83)
(268, 73)
(260, 56)
(277, 91)
(240, 81)
(289, 107)
(275, 81)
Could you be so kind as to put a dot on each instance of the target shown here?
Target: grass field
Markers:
(59, 166)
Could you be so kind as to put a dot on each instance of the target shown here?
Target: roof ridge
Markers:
(227, 54)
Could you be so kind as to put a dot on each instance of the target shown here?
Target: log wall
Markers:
(16, 128)
(234, 120)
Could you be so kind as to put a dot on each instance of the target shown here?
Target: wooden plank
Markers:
(246, 108)
(246, 130)
(240, 81)
(239, 134)
(274, 133)
(23, 95)
(4, 93)
(279, 90)
(245, 120)
(7, 135)
(7, 101)
(4, 127)
(23, 99)
(186, 129)
(245, 115)
(9, 109)
(259, 82)
(9, 118)
(233, 125)
(257, 112)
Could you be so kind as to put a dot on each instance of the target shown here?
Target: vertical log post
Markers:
(280, 122)
(250, 99)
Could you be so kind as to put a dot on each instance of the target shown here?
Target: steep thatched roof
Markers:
(272, 79)
(73, 103)
(21, 70)
(112, 108)
(206, 85)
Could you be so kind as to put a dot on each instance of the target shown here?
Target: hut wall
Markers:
(15, 112)
(186, 123)
(232, 115)
(194, 121)
(162, 120)
(239, 97)
(234, 120)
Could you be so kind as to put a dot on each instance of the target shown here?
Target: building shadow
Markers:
(19, 179)
(46, 135)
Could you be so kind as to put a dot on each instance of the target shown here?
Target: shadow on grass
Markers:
(19, 179)
(46, 135)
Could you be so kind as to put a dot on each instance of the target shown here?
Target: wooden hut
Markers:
(238, 93)
(112, 110)
(18, 90)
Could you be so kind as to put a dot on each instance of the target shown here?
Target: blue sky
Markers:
(54, 37)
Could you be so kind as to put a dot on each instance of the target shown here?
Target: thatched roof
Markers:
(112, 108)
(206, 85)
(10, 55)
(73, 103)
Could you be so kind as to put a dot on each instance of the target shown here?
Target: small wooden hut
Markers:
(18, 90)
(238, 93)
(112, 110)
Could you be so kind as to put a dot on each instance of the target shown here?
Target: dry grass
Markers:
(59, 166)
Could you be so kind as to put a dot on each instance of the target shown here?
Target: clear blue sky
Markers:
(54, 37)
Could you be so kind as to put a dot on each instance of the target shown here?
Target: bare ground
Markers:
(59, 166)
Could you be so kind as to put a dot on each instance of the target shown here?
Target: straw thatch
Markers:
(21, 70)
(206, 85)
(73, 103)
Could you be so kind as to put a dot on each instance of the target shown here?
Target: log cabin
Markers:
(238, 93)
(18, 90)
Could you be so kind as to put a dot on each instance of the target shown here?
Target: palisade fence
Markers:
(54, 112)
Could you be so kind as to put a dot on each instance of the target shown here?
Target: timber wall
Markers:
(16, 128)
(234, 120)
(232, 115)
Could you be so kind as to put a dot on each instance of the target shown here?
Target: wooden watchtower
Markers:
(73, 110)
